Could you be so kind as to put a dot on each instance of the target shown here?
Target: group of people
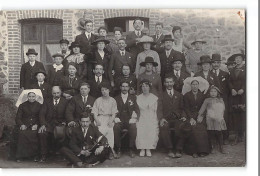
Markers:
(138, 92)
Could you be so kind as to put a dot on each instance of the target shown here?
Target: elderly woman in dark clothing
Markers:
(237, 84)
(70, 84)
(27, 120)
(192, 103)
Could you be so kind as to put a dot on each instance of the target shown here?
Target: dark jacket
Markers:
(67, 88)
(84, 42)
(95, 89)
(76, 106)
(27, 74)
(166, 62)
(178, 82)
(45, 89)
(238, 81)
(173, 108)
(78, 141)
(132, 47)
(223, 78)
(116, 63)
(54, 78)
(28, 114)
(51, 115)
(131, 106)
(131, 79)
(212, 78)
(158, 46)
(192, 106)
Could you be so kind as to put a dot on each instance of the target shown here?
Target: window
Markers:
(126, 23)
(43, 35)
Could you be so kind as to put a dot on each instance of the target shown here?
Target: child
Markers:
(64, 43)
(57, 71)
(42, 84)
(214, 107)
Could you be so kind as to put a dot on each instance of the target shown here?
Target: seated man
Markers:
(173, 117)
(126, 119)
(52, 114)
(78, 104)
(86, 145)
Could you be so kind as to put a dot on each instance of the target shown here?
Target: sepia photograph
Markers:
(122, 88)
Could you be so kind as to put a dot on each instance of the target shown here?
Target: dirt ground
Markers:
(236, 157)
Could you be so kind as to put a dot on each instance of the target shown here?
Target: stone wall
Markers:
(223, 29)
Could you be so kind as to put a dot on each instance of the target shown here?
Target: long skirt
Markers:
(200, 136)
(27, 144)
(105, 130)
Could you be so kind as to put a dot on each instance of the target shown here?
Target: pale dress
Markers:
(104, 109)
(214, 108)
(147, 126)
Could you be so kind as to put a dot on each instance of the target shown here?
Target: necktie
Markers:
(56, 103)
(85, 130)
(177, 75)
(122, 53)
(195, 97)
(167, 53)
(84, 100)
(98, 80)
(70, 81)
(170, 94)
(40, 85)
(138, 34)
(88, 36)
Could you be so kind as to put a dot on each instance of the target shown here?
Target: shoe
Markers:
(142, 152)
(43, 159)
(203, 154)
(178, 155)
(131, 154)
(36, 159)
(171, 154)
(111, 156)
(195, 155)
(148, 153)
(213, 150)
(18, 160)
(221, 150)
(79, 165)
(235, 141)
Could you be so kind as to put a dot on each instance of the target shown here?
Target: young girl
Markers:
(214, 107)
(57, 71)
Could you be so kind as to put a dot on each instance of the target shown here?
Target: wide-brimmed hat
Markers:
(167, 38)
(64, 41)
(148, 60)
(82, 22)
(100, 39)
(59, 133)
(31, 51)
(74, 44)
(230, 60)
(178, 56)
(216, 57)
(205, 59)
(146, 39)
(238, 54)
(40, 71)
(58, 55)
(198, 40)
(203, 84)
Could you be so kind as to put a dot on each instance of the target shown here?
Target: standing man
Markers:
(126, 119)
(223, 78)
(80, 103)
(158, 37)
(177, 73)
(133, 38)
(118, 59)
(28, 70)
(87, 37)
(52, 114)
(64, 45)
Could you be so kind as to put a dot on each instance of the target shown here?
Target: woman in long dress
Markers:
(27, 120)
(147, 125)
(104, 110)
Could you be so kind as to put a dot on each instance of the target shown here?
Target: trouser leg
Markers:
(117, 135)
(69, 155)
(132, 135)
(165, 135)
(95, 158)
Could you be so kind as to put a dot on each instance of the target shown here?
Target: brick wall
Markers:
(223, 30)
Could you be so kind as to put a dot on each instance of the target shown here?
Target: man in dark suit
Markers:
(125, 121)
(173, 117)
(118, 59)
(223, 78)
(96, 81)
(52, 114)
(87, 37)
(158, 37)
(177, 73)
(205, 62)
(28, 70)
(166, 56)
(82, 149)
(78, 104)
(134, 37)
(42, 84)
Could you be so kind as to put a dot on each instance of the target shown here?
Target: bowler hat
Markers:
(178, 56)
(31, 51)
(100, 39)
(198, 40)
(216, 57)
(205, 59)
(148, 60)
(58, 55)
(74, 44)
(146, 39)
(64, 41)
(82, 22)
(167, 38)
(40, 71)
(59, 133)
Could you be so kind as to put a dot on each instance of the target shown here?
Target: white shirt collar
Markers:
(58, 100)
(40, 82)
(175, 71)
(84, 134)
(100, 78)
(136, 32)
(32, 63)
(170, 91)
(124, 97)
(88, 34)
(84, 96)
(216, 71)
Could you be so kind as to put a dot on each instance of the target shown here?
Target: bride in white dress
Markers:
(147, 125)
